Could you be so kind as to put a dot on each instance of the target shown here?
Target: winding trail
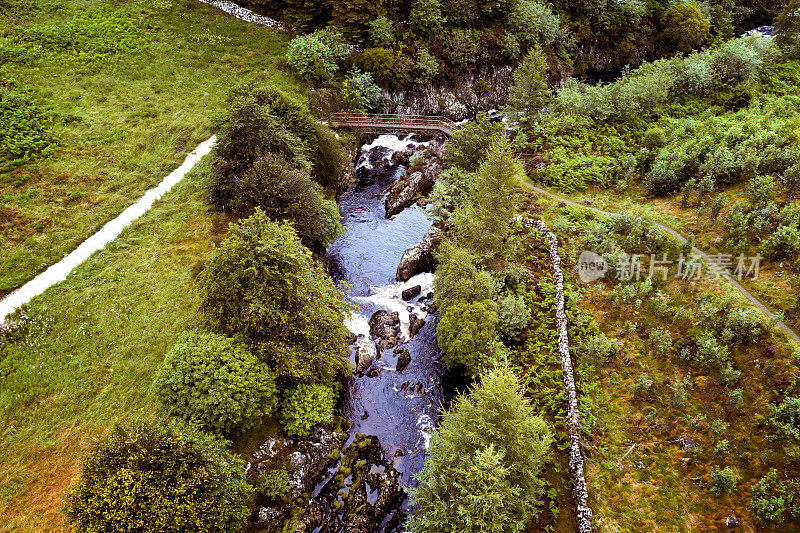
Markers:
(58, 272)
(680, 238)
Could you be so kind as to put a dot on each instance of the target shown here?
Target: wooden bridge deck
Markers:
(390, 123)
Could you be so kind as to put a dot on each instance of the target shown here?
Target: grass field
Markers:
(129, 88)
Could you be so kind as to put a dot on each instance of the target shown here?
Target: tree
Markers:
(482, 470)
(450, 190)
(389, 68)
(534, 23)
(788, 22)
(426, 17)
(685, 26)
(457, 278)
(514, 316)
(211, 382)
(482, 222)
(305, 406)
(467, 335)
(381, 32)
(262, 284)
(158, 477)
(468, 147)
(529, 93)
(426, 68)
(360, 92)
(315, 57)
(288, 194)
(352, 17)
(461, 12)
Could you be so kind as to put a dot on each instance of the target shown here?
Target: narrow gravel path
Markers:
(680, 238)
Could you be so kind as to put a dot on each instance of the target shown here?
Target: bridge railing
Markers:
(405, 122)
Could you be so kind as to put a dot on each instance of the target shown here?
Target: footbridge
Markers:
(394, 123)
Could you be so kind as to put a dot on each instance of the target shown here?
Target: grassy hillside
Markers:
(126, 90)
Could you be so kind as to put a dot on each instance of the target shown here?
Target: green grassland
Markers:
(127, 90)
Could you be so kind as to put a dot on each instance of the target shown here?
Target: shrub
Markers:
(262, 283)
(769, 503)
(286, 193)
(791, 179)
(450, 190)
(599, 348)
(783, 244)
(461, 48)
(426, 68)
(305, 406)
(784, 419)
(25, 131)
(789, 24)
(315, 57)
(482, 472)
(381, 32)
(210, 381)
(457, 278)
(743, 326)
(360, 92)
(426, 17)
(723, 480)
(468, 147)
(534, 23)
(467, 334)
(156, 477)
(509, 45)
(389, 68)
(685, 26)
(514, 316)
(711, 354)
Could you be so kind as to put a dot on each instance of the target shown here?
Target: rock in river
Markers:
(412, 292)
(419, 258)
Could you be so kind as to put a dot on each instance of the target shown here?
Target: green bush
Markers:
(210, 381)
(685, 26)
(458, 279)
(305, 406)
(534, 23)
(482, 472)
(661, 341)
(723, 480)
(25, 129)
(467, 335)
(389, 68)
(783, 420)
(461, 48)
(469, 146)
(711, 354)
(783, 244)
(381, 32)
(315, 57)
(789, 24)
(360, 92)
(529, 93)
(426, 18)
(450, 190)
(426, 68)
(514, 316)
(599, 348)
(156, 477)
(769, 502)
(261, 283)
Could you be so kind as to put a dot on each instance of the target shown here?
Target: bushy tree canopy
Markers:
(467, 335)
(305, 406)
(159, 478)
(262, 284)
(685, 26)
(529, 93)
(482, 471)
(210, 381)
(468, 147)
(426, 17)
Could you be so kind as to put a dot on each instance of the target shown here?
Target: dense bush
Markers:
(352, 17)
(783, 244)
(685, 26)
(360, 92)
(261, 283)
(390, 68)
(156, 477)
(286, 193)
(426, 18)
(461, 48)
(514, 316)
(529, 94)
(769, 503)
(458, 279)
(304, 406)
(784, 420)
(426, 68)
(482, 471)
(533, 23)
(25, 129)
(599, 348)
(789, 24)
(450, 190)
(316, 57)
(468, 147)
(711, 354)
(467, 335)
(210, 381)
(381, 32)
(723, 480)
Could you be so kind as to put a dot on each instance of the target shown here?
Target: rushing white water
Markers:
(244, 14)
(59, 271)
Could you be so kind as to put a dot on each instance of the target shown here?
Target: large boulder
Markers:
(420, 257)
(406, 190)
